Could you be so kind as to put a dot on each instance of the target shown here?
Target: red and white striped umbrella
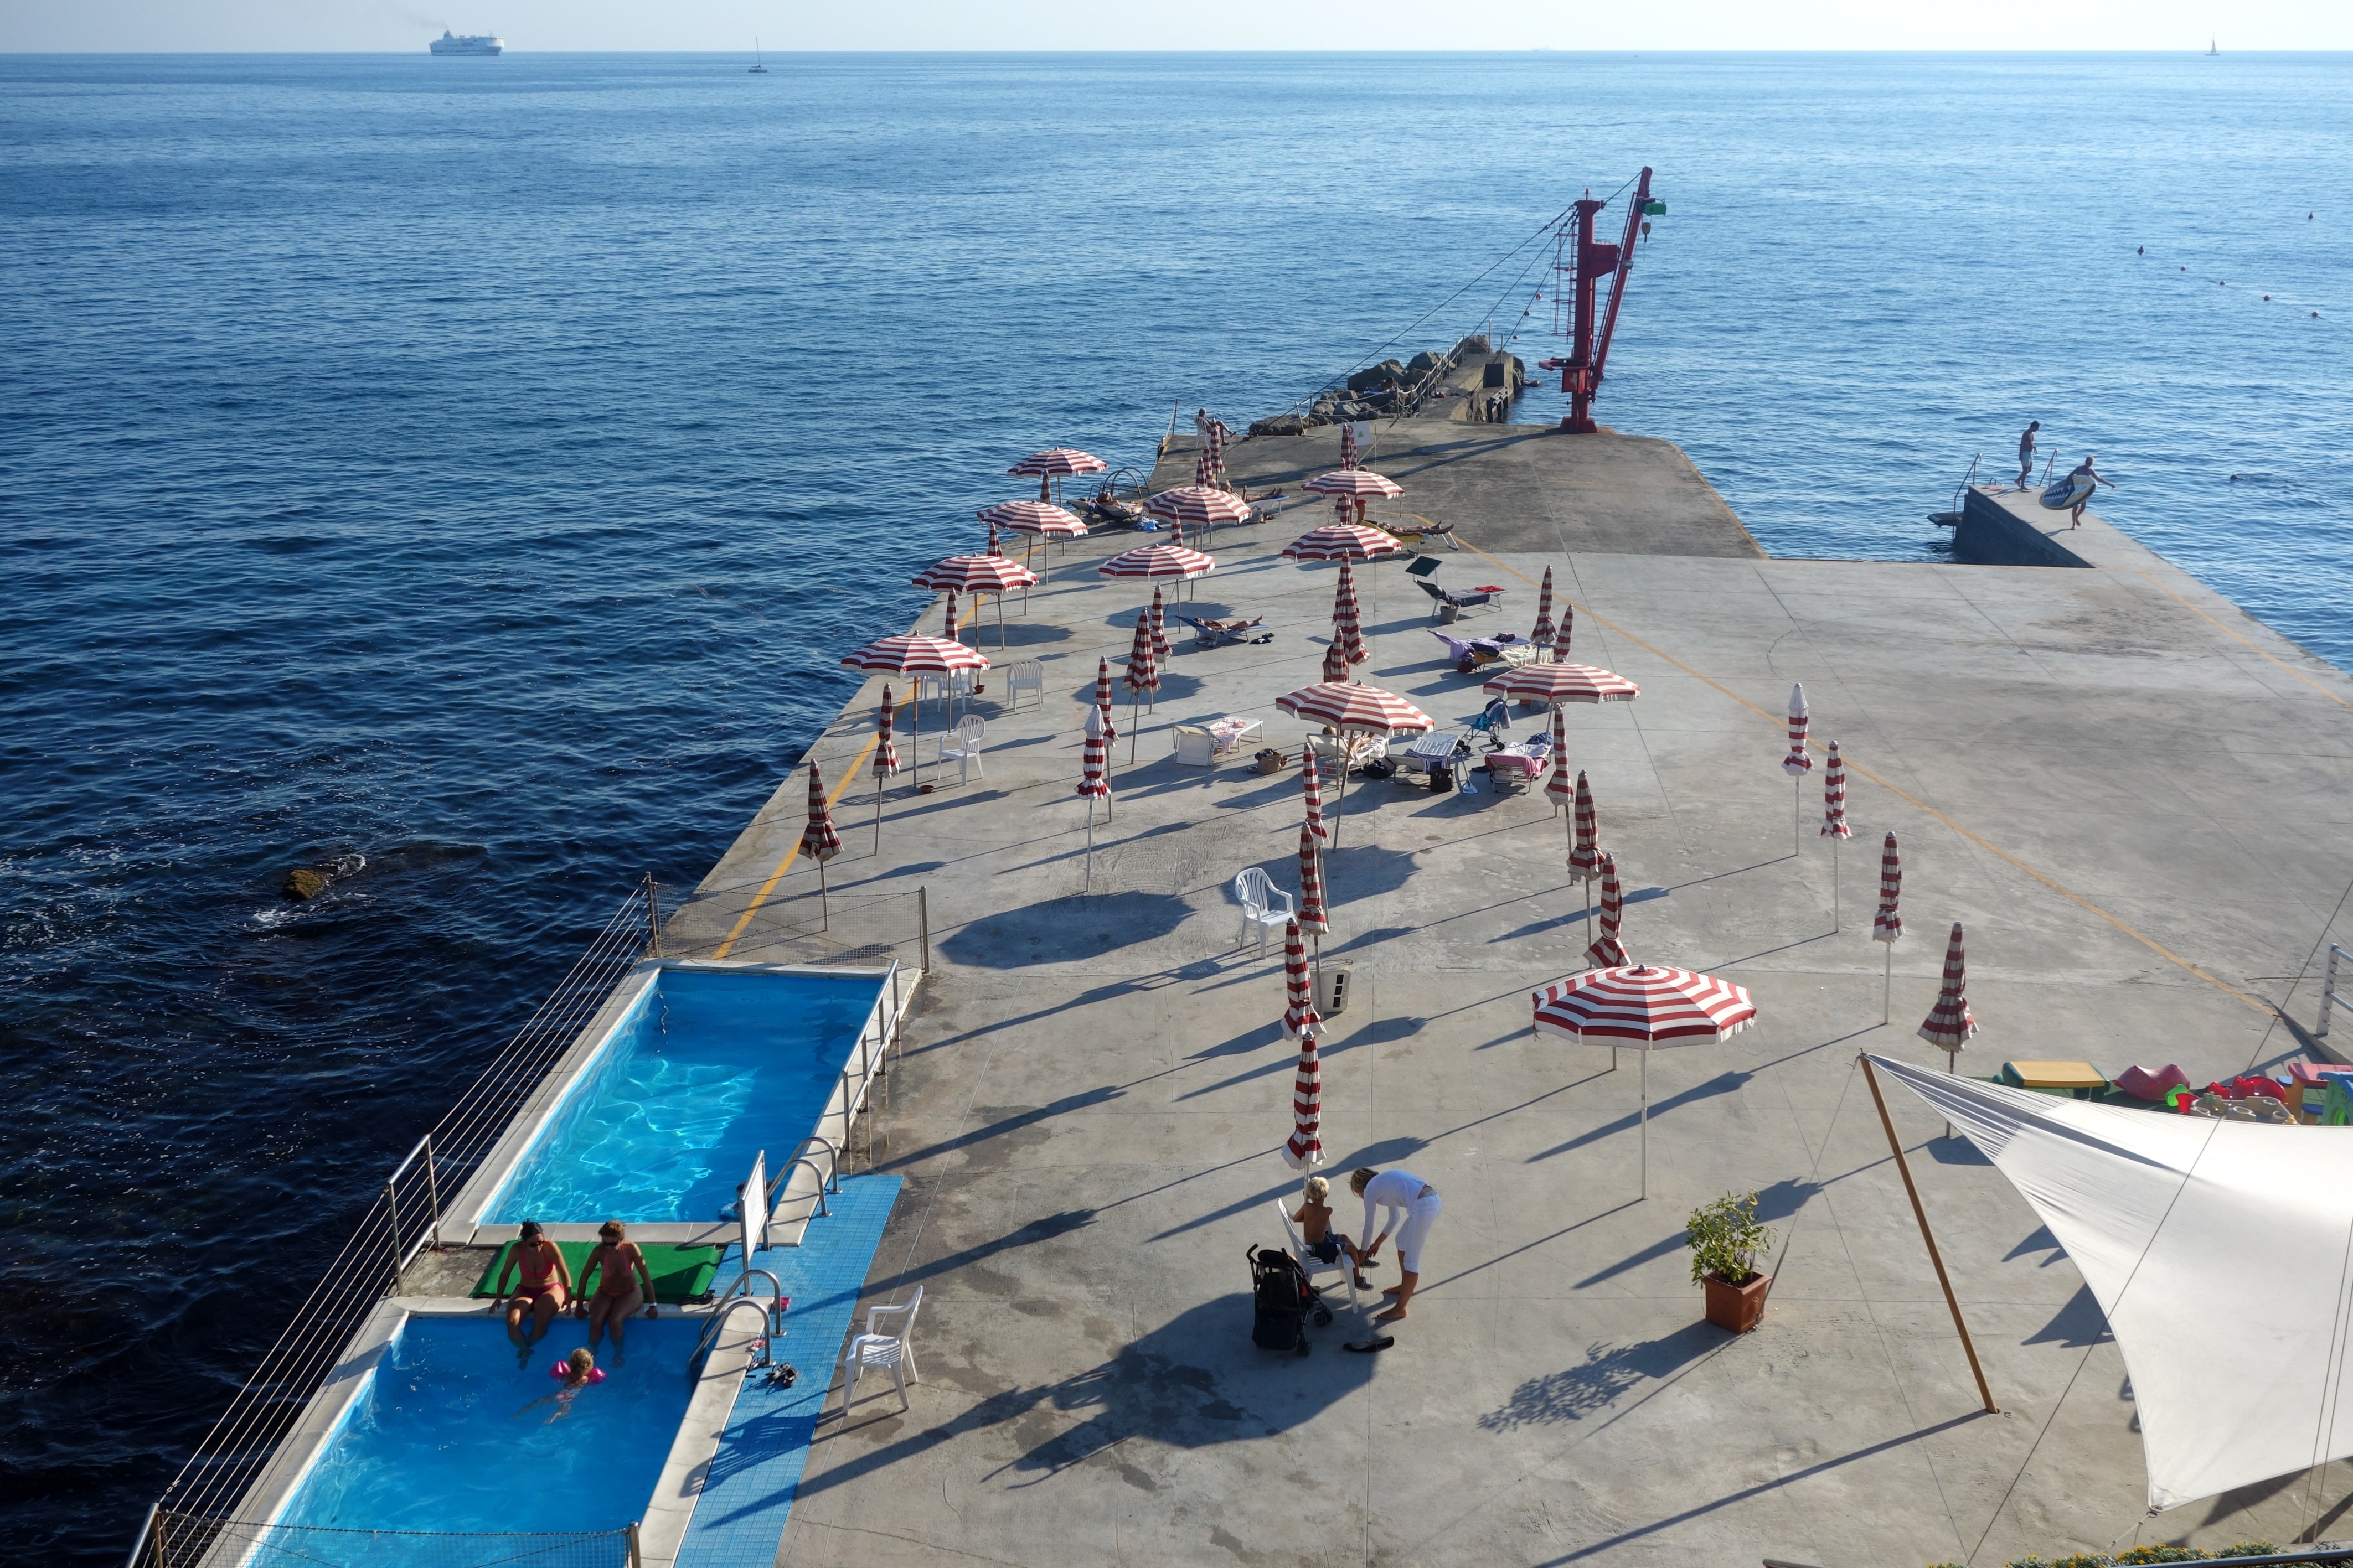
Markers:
(1585, 860)
(1158, 561)
(1057, 462)
(1558, 683)
(1159, 629)
(1336, 542)
(1606, 952)
(1311, 885)
(1347, 623)
(1177, 532)
(1197, 503)
(1365, 710)
(1568, 632)
(1361, 483)
(1093, 783)
(886, 762)
(1347, 444)
(1948, 1024)
(1887, 925)
(1217, 450)
(996, 540)
(1834, 796)
(1311, 777)
(1336, 660)
(915, 654)
(1305, 1147)
(1204, 470)
(1796, 762)
(1645, 1008)
(1557, 788)
(976, 573)
(948, 618)
(1103, 699)
(1141, 676)
(1343, 512)
(1544, 630)
(1037, 518)
(819, 840)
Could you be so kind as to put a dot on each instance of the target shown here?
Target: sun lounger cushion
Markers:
(680, 1273)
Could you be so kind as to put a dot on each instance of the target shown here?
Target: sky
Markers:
(335, 26)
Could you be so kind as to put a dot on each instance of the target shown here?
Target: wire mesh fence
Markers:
(183, 1541)
(398, 1222)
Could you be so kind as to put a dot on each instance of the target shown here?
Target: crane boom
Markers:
(1580, 378)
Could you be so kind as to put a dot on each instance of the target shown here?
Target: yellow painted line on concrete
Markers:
(1979, 839)
(848, 774)
(2228, 632)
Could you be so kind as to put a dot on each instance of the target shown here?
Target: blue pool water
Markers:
(441, 1440)
(706, 1071)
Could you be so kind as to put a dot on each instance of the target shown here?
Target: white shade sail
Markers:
(2219, 1251)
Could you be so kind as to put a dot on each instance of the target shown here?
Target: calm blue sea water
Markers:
(480, 463)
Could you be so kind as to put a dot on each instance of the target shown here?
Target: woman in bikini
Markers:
(546, 1284)
(617, 1266)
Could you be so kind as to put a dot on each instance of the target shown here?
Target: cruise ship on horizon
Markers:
(472, 44)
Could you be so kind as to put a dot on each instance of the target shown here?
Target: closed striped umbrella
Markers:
(1568, 633)
(1141, 676)
(1347, 628)
(1217, 450)
(1949, 1025)
(1199, 504)
(1311, 916)
(886, 762)
(1343, 542)
(819, 840)
(1159, 629)
(1093, 786)
(1347, 444)
(1564, 682)
(1336, 660)
(948, 620)
(1606, 951)
(1834, 826)
(1343, 512)
(1543, 632)
(1797, 762)
(1585, 855)
(1103, 701)
(1644, 1007)
(1559, 788)
(1887, 925)
(1305, 1147)
(996, 540)
(1177, 532)
(1204, 470)
(1311, 776)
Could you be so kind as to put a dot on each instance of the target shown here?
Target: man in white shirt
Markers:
(1413, 1208)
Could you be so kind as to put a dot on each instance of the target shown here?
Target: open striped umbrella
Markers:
(1606, 952)
(1344, 543)
(1557, 788)
(1092, 785)
(1887, 925)
(1644, 1007)
(1054, 463)
(1311, 777)
(1202, 505)
(1543, 632)
(1358, 486)
(1158, 562)
(1949, 1023)
(1351, 708)
(819, 840)
(1159, 629)
(977, 573)
(1558, 683)
(918, 656)
(1347, 628)
(1311, 916)
(1036, 518)
(1305, 1147)
(886, 762)
(1834, 826)
(1141, 676)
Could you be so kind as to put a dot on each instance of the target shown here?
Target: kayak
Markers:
(2066, 492)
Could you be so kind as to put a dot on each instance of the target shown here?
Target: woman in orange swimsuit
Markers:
(545, 1285)
(618, 1265)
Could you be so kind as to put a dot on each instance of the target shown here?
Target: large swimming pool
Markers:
(707, 1068)
(446, 1437)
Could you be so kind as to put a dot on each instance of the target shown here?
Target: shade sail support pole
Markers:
(1918, 1212)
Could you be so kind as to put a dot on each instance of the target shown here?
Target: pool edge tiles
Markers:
(747, 1491)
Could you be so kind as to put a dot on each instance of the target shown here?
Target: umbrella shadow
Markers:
(1364, 870)
(1722, 1084)
(1774, 1203)
(1019, 634)
(1596, 1382)
(1058, 930)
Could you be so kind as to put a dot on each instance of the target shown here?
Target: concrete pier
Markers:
(2132, 795)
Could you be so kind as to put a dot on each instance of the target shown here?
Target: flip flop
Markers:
(1366, 1347)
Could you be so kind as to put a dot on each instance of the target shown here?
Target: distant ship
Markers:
(473, 44)
(759, 66)
(2214, 46)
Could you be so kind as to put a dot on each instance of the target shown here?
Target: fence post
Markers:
(653, 918)
(923, 914)
(433, 1192)
(391, 1200)
(146, 1528)
(2328, 992)
(635, 1561)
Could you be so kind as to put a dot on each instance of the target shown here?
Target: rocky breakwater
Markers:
(1394, 388)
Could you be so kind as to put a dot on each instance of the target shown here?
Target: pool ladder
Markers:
(737, 1295)
(826, 1180)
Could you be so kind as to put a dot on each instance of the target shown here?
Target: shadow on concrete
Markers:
(1058, 930)
(2041, 1241)
(1774, 1203)
(1372, 1033)
(1019, 634)
(2078, 1323)
(1372, 937)
(1958, 1150)
(1723, 1083)
(1364, 871)
(1595, 1384)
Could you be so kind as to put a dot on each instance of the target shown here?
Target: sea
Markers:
(479, 465)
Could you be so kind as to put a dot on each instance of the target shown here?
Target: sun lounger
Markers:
(1525, 761)
(1210, 633)
(1423, 532)
(1488, 598)
(1469, 655)
(1362, 749)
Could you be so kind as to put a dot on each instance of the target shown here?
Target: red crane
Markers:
(1580, 377)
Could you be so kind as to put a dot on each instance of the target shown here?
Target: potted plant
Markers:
(1726, 1240)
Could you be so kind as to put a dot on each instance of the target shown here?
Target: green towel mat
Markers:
(680, 1273)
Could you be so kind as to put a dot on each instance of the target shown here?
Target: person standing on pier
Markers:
(2026, 452)
(2081, 472)
(1414, 1201)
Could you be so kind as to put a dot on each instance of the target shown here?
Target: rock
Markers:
(1373, 376)
(304, 882)
(1280, 425)
(1476, 343)
(1421, 364)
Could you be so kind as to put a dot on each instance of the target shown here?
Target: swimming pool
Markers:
(703, 1070)
(444, 1437)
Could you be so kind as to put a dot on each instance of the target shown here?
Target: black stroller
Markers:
(1282, 1299)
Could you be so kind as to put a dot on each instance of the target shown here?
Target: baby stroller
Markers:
(1494, 724)
(1281, 1300)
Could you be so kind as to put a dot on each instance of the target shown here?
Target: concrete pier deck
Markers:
(2132, 794)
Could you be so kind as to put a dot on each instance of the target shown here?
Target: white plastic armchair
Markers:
(1030, 675)
(1259, 895)
(878, 1349)
(964, 748)
(1346, 1267)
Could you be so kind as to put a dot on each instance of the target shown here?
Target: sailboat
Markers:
(2214, 48)
(757, 67)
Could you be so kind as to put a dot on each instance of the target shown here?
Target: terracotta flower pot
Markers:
(1736, 1308)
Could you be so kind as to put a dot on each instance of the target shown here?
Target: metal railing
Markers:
(401, 1221)
(171, 1540)
(2328, 991)
(737, 1295)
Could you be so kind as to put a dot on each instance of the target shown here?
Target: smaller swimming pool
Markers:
(706, 1068)
(446, 1437)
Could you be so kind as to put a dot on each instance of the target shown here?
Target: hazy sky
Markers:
(400, 24)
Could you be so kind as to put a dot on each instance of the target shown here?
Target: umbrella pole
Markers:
(1131, 729)
(880, 784)
(1834, 887)
(1646, 1125)
(916, 740)
(1090, 845)
(1797, 813)
(1920, 1214)
(823, 901)
(1887, 984)
(1000, 617)
(1338, 801)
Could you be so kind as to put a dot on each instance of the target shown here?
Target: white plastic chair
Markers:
(958, 684)
(875, 1351)
(1258, 895)
(1357, 749)
(964, 749)
(1030, 675)
(1346, 1267)
(1196, 747)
